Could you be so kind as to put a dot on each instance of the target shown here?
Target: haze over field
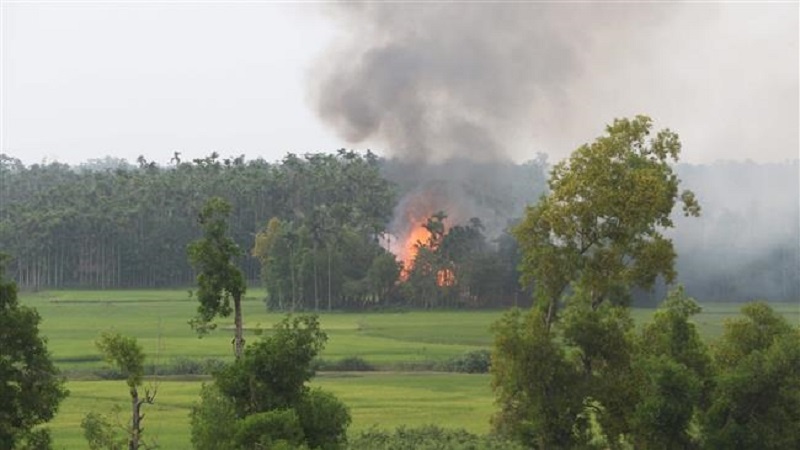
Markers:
(84, 80)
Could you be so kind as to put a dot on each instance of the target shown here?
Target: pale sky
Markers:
(87, 79)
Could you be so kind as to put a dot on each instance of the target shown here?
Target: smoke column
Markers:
(488, 81)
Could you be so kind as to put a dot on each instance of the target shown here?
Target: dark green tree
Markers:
(219, 279)
(539, 390)
(673, 377)
(30, 385)
(263, 398)
(756, 400)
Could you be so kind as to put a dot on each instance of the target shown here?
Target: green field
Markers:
(391, 341)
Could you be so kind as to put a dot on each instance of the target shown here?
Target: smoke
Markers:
(442, 80)
(491, 81)
(455, 91)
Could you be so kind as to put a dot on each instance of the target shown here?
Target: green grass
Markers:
(72, 320)
(380, 399)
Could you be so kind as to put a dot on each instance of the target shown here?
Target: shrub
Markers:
(476, 361)
(429, 437)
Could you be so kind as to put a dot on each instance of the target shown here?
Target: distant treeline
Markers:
(111, 224)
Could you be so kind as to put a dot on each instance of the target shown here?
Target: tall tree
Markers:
(219, 279)
(596, 235)
(30, 386)
(601, 225)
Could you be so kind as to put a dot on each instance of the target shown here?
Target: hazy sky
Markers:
(83, 80)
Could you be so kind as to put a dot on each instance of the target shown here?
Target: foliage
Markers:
(219, 279)
(127, 226)
(459, 267)
(599, 342)
(264, 396)
(324, 420)
(30, 385)
(277, 428)
(429, 437)
(756, 401)
(213, 421)
(538, 389)
(600, 225)
(127, 355)
(585, 245)
(100, 433)
(675, 376)
(476, 361)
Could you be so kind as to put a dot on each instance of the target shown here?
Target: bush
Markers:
(324, 419)
(477, 361)
(278, 427)
(428, 437)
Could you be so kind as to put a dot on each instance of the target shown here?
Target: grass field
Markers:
(390, 341)
(380, 399)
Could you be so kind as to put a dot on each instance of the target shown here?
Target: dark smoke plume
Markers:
(437, 81)
(484, 81)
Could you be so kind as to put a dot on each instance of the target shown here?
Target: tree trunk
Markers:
(316, 289)
(238, 338)
(136, 420)
(551, 312)
(329, 279)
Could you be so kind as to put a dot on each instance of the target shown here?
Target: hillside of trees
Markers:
(328, 219)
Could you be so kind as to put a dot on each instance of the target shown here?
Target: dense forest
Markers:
(321, 230)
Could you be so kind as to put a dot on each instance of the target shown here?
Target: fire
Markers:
(411, 215)
(408, 253)
(408, 249)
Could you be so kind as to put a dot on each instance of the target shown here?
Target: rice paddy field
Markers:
(401, 345)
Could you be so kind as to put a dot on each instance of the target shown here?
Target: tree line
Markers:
(111, 224)
(313, 228)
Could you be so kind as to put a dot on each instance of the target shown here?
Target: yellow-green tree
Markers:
(596, 235)
(601, 225)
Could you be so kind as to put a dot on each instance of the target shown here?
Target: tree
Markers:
(600, 225)
(673, 377)
(219, 280)
(756, 399)
(596, 235)
(30, 385)
(538, 388)
(263, 400)
(127, 356)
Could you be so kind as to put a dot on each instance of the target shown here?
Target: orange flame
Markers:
(408, 250)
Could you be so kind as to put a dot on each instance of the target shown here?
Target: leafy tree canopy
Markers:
(262, 400)
(30, 385)
(600, 225)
